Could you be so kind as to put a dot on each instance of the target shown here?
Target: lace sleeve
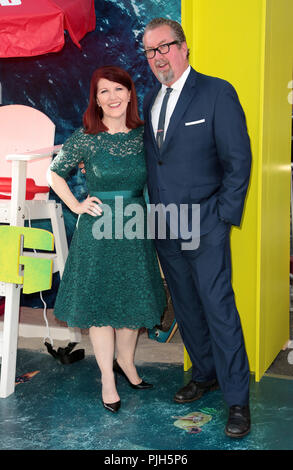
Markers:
(71, 153)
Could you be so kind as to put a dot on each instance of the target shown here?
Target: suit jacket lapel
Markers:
(186, 95)
(149, 115)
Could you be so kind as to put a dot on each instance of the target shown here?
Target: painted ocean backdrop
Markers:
(58, 83)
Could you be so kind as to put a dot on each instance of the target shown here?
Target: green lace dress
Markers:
(110, 278)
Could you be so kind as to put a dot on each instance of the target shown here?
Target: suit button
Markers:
(160, 162)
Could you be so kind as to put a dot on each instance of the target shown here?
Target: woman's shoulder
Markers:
(78, 136)
(137, 131)
(140, 129)
(79, 133)
(75, 134)
(136, 135)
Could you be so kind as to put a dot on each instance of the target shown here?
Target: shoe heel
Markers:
(141, 386)
(113, 407)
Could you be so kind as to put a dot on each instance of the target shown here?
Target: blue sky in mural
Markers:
(58, 83)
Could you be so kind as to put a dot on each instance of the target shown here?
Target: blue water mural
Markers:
(58, 83)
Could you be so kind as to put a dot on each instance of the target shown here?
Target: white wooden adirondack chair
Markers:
(26, 149)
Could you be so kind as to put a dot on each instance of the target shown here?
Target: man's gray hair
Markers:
(176, 27)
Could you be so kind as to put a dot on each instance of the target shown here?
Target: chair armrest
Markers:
(34, 154)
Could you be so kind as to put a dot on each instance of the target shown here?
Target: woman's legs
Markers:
(126, 340)
(103, 341)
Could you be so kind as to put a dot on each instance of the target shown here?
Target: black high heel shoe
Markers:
(141, 386)
(113, 407)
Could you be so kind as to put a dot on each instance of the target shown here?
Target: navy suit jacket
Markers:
(206, 157)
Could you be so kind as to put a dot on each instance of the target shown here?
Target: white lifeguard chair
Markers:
(26, 149)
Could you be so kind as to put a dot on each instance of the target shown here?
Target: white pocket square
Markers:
(192, 123)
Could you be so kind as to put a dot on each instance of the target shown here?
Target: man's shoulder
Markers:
(210, 82)
(205, 83)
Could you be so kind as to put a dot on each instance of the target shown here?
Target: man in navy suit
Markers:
(198, 152)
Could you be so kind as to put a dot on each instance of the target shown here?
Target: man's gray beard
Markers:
(166, 77)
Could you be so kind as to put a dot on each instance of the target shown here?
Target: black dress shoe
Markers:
(194, 390)
(238, 424)
(113, 407)
(141, 386)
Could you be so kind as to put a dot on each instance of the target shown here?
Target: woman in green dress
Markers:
(112, 282)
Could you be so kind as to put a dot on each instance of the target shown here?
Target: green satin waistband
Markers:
(112, 194)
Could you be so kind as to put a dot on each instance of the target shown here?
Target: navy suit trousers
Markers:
(203, 299)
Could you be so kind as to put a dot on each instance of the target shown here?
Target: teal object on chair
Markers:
(163, 336)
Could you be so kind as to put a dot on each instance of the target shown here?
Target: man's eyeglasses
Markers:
(162, 49)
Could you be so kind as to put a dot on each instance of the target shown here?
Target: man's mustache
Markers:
(160, 62)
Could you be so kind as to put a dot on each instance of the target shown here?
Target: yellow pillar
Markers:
(250, 44)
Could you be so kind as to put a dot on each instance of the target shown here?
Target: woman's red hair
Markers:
(92, 118)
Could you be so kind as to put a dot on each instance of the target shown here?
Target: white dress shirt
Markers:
(173, 98)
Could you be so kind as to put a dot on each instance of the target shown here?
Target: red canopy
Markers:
(34, 27)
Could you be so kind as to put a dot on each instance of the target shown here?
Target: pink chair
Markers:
(26, 149)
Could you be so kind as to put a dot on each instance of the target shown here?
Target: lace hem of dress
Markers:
(117, 326)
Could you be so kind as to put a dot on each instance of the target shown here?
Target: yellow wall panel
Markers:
(275, 214)
(250, 45)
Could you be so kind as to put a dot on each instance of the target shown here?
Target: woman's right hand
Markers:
(88, 206)
(82, 168)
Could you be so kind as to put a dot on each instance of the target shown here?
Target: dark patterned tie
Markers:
(161, 124)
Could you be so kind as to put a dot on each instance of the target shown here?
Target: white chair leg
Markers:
(74, 335)
(59, 233)
(61, 247)
(10, 337)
